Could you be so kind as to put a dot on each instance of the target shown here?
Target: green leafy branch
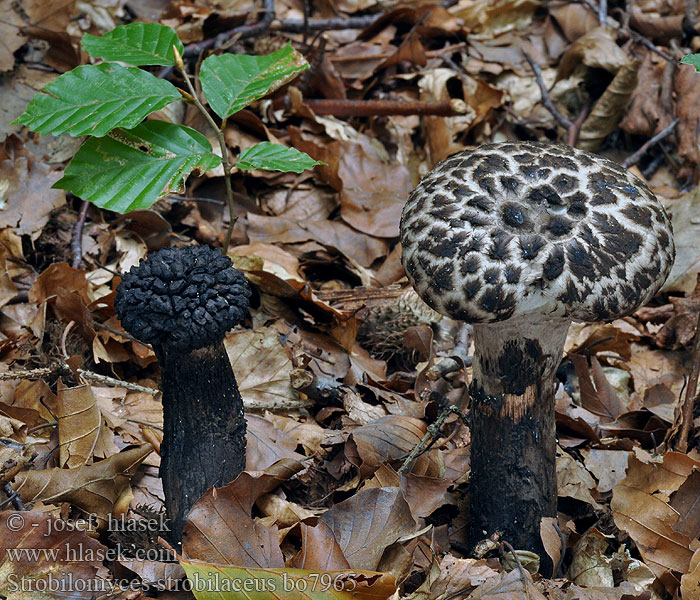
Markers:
(128, 163)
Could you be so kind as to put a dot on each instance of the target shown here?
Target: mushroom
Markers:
(521, 239)
(182, 301)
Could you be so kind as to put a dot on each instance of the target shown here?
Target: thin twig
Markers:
(546, 99)
(222, 144)
(76, 242)
(691, 393)
(374, 108)
(243, 31)
(334, 24)
(633, 159)
(575, 127)
(431, 434)
(521, 569)
(12, 496)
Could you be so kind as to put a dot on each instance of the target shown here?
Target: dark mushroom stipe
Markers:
(182, 301)
(520, 239)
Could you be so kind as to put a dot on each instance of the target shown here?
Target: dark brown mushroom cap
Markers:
(182, 298)
(522, 227)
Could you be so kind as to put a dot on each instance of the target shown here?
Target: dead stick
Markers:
(243, 31)
(76, 242)
(633, 159)
(546, 99)
(375, 108)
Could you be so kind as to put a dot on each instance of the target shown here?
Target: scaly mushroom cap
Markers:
(182, 298)
(524, 227)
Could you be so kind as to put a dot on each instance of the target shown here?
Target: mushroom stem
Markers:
(513, 481)
(203, 427)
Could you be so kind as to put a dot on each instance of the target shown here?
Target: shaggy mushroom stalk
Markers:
(182, 301)
(520, 239)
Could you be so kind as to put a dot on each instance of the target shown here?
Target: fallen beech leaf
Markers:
(262, 368)
(640, 507)
(690, 581)
(590, 567)
(367, 523)
(508, 586)
(319, 549)
(374, 191)
(390, 438)
(37, 556)
(79, 425)
(267, 444)
(95, 489)
(26, 196)
(607, 466)
(220, 526)
(574, 481)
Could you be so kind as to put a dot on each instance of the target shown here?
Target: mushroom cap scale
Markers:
(182, 298)
(519, 228)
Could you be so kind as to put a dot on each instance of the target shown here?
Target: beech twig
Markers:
(12, 496)
(373, 108)
(76, 242)
(222, 144)
(432, 434)
(546, 99)
(633, 159)
(242, 31)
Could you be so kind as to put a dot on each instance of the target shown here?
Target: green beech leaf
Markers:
(92, 99)
(135, 44)
(231, 82)
(275, 157)
(692, 59)
(131, 169)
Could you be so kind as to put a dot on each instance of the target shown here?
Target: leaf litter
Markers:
(340, 370)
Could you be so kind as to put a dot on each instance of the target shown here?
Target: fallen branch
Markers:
(375, 108)
(633, 159)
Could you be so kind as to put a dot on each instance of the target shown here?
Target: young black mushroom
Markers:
(520, 239)
(182, 301)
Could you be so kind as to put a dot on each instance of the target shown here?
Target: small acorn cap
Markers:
(182, 298)
(518, 228)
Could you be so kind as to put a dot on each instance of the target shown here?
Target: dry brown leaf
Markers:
(26, 197)
(609, 109)
(79, 426)
(690, 581)
(319, 549)
(597, 395)
(65, 555)
(357, 246)
(641, 508)
(575, 20)
(367, 523)
(590, 566)
(574, 481)
(221, 529)
(267, 444)
(10, 36)
(459, 576)
(389, 438)
(489, 18)
(374, 190)
(608, 466)
(686, 85)
(515, 585)
(262, 368)
(95, 489)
